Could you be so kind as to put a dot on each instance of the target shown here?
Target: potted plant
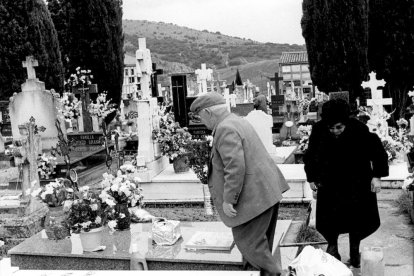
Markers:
(173, 141)
(56, 194)
(120, 192)
(86, 218)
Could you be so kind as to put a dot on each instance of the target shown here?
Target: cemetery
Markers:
(89, 183)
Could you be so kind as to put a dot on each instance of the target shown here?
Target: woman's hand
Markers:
(376, 185)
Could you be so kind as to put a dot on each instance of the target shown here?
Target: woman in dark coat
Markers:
(344, 163)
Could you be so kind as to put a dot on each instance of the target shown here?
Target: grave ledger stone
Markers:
(34, 100)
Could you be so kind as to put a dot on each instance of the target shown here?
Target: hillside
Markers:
(176, 47)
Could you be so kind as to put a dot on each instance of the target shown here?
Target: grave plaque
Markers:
(197, 129)
(179, 94)
(242, 109)
(5, 124)
(86, 141)
(277, 103)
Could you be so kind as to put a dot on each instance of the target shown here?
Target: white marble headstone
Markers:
(263, 124)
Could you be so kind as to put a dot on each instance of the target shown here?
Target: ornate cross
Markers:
(277, 79)
(30, 65)
(376, 101)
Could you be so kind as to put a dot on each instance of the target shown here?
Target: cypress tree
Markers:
(391, 49)
(336, 36)
(93, 39)
(27, 29)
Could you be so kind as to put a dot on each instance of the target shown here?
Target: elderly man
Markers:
(244, 182)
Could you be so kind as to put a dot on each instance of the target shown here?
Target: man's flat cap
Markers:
(207, 100)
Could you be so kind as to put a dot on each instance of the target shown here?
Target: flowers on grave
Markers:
(80, 78)
(409, 183)
(85, 212)
(102, 107)
(304, 132)
(394, 139)
(70, 106)
(199, 155)
(172, 138)
(46, 165)
(118, 193)
(55, 193)
(303, 106)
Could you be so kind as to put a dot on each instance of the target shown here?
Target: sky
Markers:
(275, 21)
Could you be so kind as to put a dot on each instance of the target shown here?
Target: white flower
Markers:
(112, 224)
(67, 205)
(98, 220)
(411, 94)
(121, 215)
(110, 202)
(85, 224)
(36, 192)
(94, 207)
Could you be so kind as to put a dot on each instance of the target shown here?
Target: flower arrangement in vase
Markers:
(56, 194)
(85, 211)
(120, 192)
(173, 139)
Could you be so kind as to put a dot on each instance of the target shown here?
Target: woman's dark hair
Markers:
(335, 111)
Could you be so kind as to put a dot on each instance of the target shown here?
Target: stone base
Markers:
(153, 169)
(14, 226)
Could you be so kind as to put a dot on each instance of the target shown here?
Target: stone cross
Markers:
(84, 93)
(203, 75)
(144, 67)
(277, 79)
(30, 148)
(30, 65)
(376, 101)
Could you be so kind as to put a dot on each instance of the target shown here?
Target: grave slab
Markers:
(132, 273)
(38, 253)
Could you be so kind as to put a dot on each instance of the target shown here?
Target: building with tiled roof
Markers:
(131, 79)
(294, 67)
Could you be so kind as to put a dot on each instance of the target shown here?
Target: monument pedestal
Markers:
(153, 169)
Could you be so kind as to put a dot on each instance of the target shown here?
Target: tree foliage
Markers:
(391, 48)
(27, 29)
(336, 36)
(92, 37)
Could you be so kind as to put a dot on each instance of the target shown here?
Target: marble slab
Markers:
(39, 253)
(131, 273)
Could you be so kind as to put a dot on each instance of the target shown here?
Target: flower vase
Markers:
(91, 240)
(55, 224)
(123, 221)
(181, 164)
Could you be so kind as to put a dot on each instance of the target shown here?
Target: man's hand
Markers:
(376, 185)
(229, 210)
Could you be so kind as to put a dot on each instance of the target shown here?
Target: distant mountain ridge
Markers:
(180, 48)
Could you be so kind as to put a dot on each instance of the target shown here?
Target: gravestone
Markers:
(179, 95)
(154, 80)
(84, 93)
(242, 109)
(144, 67)
(203, 75)
(277, 103)
(263, 124)
(277, 80)
(35, 101)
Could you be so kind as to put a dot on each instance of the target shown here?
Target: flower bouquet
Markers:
(81, 78)
(304, 132)
(173, 141)
(85, 212)
(120, 192)
(46, 165)
(199, 154)
(56, 195)
(70, 107)
(102, 107)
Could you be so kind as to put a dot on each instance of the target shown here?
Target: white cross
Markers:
(376, 101)
(203, 75)
(30, 63)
